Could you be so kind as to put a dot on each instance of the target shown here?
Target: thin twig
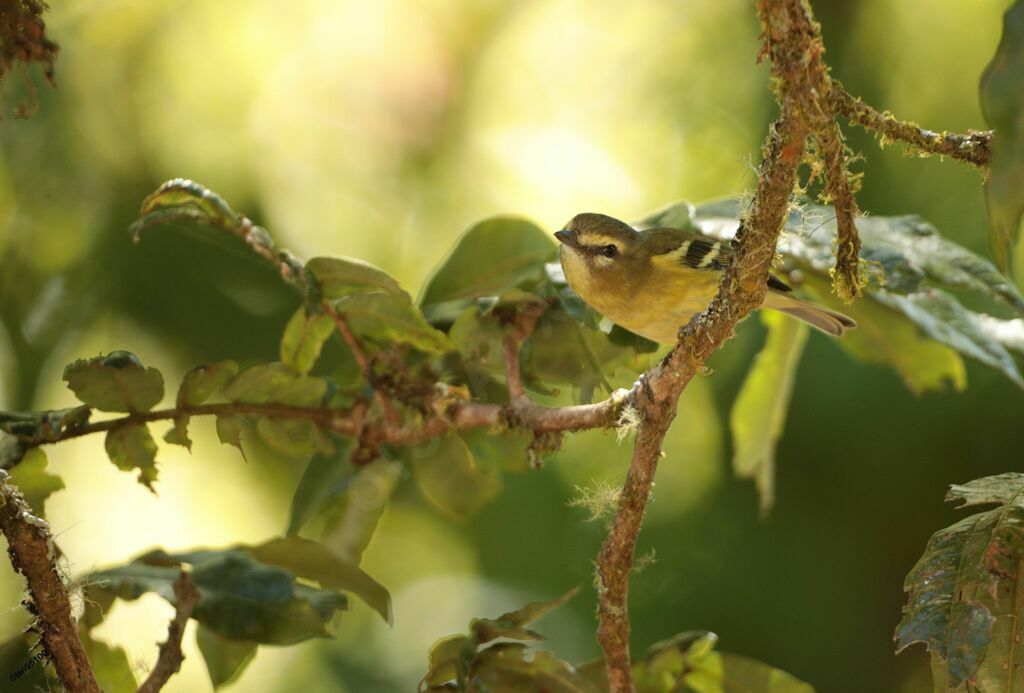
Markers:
(364, 365)
(32, 553)
(973, 147)
(169, 661)
(519, 328)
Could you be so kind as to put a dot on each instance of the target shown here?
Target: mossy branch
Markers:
(33, 554)
(973, 147)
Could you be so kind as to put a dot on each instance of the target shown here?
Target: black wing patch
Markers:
(704, 253)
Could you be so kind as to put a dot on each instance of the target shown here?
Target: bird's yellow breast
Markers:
(654, 303)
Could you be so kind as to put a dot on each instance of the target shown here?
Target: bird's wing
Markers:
(694, 250)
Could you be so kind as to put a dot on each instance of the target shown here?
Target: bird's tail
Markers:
(828, 321)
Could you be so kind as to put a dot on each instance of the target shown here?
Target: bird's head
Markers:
(597, 249)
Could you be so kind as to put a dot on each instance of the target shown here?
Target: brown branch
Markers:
(790, 34)
(364, 365)
(31, 549)
(459, 416)
(846, 273)
(520, 327)
(973, 147)
(169, 661)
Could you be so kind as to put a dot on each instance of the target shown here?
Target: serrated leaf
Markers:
(339, 277)
(303, 338)
(492, 256)
(314, 561)
(275, 382)
(325, 477)
(964, 603)
(34, 482)
(449, 477)
(240, 597)
(513, 624)
(132, 447)
(202, 382)
(758, 414)
(225, 659)
(117, 382)
(389, 319)
(230, 429)
(178, 433)
(1002, 102)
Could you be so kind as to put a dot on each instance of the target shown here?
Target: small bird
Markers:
(652, 282)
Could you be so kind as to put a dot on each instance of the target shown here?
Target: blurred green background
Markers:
(381, 129)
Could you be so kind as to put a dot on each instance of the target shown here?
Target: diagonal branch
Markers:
(169, 661)
(790, 34)
(31, 549)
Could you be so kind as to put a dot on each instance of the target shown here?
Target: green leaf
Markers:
(132, 447)
(293, 437)
(495, 255)
(117, 382)
(178, 433)
(275, 382)
(303, 338)
(514, 667)
(230, 430)
(506, 450)
(449, 477)
(110, 665)
(357, 510)
(202, 382)
(388, 319)
(225, 659)
(314, 561)
(907, 319)
(325, 477)
(448, 660)
(512, 624)
(689, 662)
(503, 666)
(340, 277)
(34, 482)
(564, 351)
(944, 319)
(885, 336)
(963, 602)
(240, 597)
(181, 192)
(759, 412)
(1002, 102)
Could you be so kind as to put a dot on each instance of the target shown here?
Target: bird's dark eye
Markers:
(609, 251)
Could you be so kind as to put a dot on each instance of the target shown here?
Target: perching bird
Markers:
(652, 282)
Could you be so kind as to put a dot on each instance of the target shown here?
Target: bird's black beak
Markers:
(567, 237)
